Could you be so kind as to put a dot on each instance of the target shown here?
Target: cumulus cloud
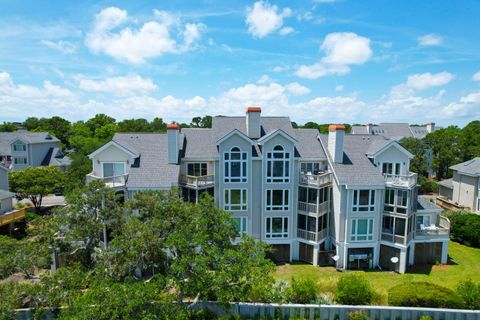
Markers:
(119, 86)
(430, 39)
(264, 18)
(342, 49)
(65, 47)
(476, 76)
(297, 89)
(164, 35)
(428, 80)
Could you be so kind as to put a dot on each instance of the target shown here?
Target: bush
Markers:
(423, 294)
(427, 185)
(470, 294)
(357, 315)
(464, 229)
(425, 317)
(354, 290)
(302, 291)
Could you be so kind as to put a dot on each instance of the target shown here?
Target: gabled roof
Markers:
(125, 147)
(447, 183)
(470, 167)
(55, 157)
(424, 204)
(6, 138)
(356, 169)
(308, 146)
(151, 168)
(395, 131)
(379, 146)
(234, 132)
(272, 134)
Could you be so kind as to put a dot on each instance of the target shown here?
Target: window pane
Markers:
(277, 197)
(277, 225)
(235, 196)
(108, 169)
(311, 226)
(399, 226)
(302, 222)
(278, 168)
(235, 167)
(302, 194)
(312, 196)
(362, 226)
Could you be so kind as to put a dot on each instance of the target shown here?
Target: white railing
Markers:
(440, 230)
(111, 182)
(316, 180)
(393, 238)
(311, 235)
(408, 180)
(197, 181)
(313, 208)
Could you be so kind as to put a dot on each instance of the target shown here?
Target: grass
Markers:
(464, 263)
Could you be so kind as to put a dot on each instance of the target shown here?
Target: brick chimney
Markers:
(173, 133)
(253, 122)
(336, 133)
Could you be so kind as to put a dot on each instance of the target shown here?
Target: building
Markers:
(337, 199)
(22, 149)
(7, 213)
(396, 131)
(462, 191)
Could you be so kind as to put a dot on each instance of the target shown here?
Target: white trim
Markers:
(232, 133)
(275, 133)
(227, 199)
(395, 144)
(284, 234)
(113, 162)
(115, 144)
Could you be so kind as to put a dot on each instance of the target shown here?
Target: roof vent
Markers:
(48, 137)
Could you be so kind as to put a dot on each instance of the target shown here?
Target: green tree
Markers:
(34, 183)
(157, 125)
(134, 125)
(417, 148)
(470, 140)
(445, 146)
(7, 127)
(99, 121)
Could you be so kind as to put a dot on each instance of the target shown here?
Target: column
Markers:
(402, 261)
(411, 256)
(444, 259)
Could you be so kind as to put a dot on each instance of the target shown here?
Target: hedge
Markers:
(464, 229)
(423, 294)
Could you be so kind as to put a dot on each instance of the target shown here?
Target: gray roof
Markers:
(470, 167)
(396, 131)
(55, 157)
(201, 143)
(356, 168)
(151, 169)
(447, 183)
(4, 194)
(31, 137)
(423, 203)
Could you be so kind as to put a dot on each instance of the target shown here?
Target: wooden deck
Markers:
(12, 216)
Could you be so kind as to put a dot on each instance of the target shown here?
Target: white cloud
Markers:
(467, 107)
(428, 80)
(264, 79)
(119, 86)
(476, 76)
(339, 88)
(166, 35)
(341, 49)
(297, 89)
(279, 68)
(263, 19)
(430, 39)
(65, 47)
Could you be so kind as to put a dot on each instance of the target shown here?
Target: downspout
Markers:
(346, 231)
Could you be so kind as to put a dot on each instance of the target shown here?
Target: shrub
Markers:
(464, 229)
(423, 294)
(427, 185)
(357, 315)
(353, 289)
(302, 291)
(470, 294)
(425, 317)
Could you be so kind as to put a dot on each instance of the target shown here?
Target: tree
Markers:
(34, 183)
(445, 146)
(133, 125)
(201, 122)
(417, 148)
(7, 127)
(470, 140)
(100, 120)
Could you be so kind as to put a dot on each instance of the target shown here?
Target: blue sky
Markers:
(319, 60)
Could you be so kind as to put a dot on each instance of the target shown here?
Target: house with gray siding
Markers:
(22, 149)
(334, 199)
(6, 197)
(463, 189)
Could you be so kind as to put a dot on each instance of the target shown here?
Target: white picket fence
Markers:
(335, 312)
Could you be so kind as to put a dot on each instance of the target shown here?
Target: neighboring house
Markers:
(7, 214)
(462, 191)
(347, 200)
(399, 132)
(22, 149)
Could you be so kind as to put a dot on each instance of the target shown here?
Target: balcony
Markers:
(197, 181)
(315, 180)
(110, 182)
(441, 230)
(397, 180)
(311, 236)
(313, 208)
(390, 237)
(12, 216)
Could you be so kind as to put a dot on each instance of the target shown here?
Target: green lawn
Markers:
(464, 263)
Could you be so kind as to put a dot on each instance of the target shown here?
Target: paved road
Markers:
(47, 201)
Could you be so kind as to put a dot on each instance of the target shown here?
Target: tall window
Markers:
(362, 230)
(307, 223)
(277, 200)
(113, 169)
(19, 146)
(363, 200)
(235, 199)
(197, 169)
(278, 165)
(241, 225)
(276, 227)
(391, 168)
(389, 200)
(402, 201)
(396, 200)
(235, 165)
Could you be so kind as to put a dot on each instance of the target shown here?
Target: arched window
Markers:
(235, 165)
(278, 165)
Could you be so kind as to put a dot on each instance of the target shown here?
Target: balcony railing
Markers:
(12, 216)
(386, 236)
(197, 181)
(313, 208)
(315, 180)
(439, 230)
(311, 235)
(408, 180)
(111, 182)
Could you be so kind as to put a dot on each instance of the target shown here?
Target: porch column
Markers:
(315, 255)
(411, 256)
(196, 196)
(444, 259)
(402, 267)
